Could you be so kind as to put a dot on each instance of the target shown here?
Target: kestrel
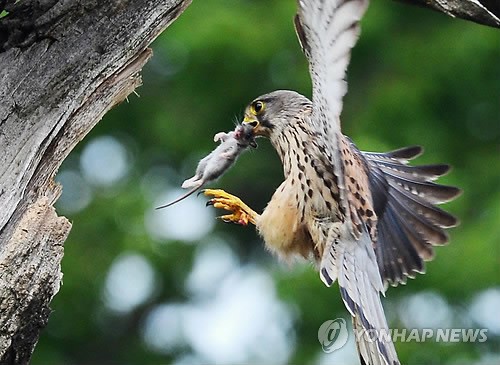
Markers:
(366, 219)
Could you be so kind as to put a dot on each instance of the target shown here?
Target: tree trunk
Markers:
(63, 65)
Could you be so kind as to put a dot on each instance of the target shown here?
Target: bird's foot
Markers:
(240, 212)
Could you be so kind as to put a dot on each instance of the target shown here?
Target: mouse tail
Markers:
(182, 197)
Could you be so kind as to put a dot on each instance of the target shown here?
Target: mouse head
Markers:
(245, 134)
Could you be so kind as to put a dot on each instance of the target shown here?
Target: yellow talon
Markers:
(241, 213)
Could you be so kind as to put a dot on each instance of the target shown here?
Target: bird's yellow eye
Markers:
(257, 107)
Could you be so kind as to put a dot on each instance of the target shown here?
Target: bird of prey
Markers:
(366, 219)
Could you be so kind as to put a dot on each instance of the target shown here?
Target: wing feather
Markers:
(327, 31)
(409, 222)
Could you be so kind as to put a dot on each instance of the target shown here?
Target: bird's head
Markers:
(271, 113)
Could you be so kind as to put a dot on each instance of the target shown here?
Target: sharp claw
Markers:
(224, 219)
(200, 192)
(219, 199)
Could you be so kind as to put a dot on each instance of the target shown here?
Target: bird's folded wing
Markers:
(327, 31)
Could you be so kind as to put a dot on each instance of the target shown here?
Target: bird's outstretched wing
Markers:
(327, 31)
(409, 222)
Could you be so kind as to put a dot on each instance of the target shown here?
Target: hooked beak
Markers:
(252, 121)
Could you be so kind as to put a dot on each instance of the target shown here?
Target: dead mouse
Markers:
(219, 160)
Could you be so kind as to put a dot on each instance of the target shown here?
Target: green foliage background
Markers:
(416, 77)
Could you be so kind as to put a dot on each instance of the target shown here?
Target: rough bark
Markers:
(485, 12)
(63, 65)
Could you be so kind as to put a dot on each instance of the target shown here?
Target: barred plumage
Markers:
(366, 219)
